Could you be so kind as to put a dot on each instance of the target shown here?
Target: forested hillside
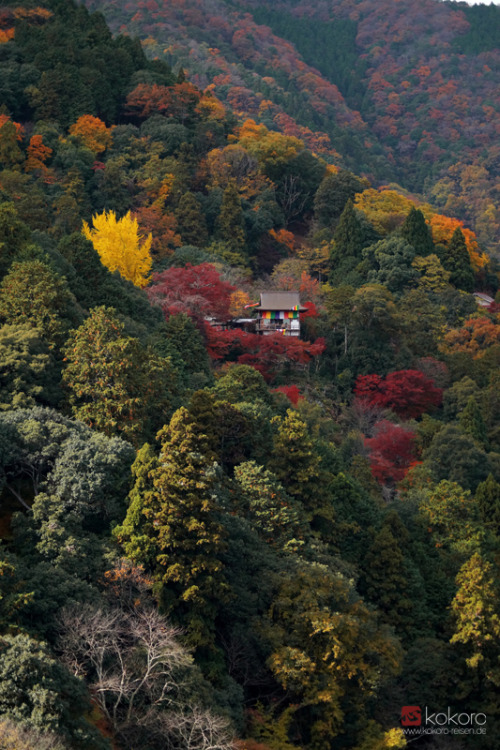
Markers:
(213, 539)
(398, 91)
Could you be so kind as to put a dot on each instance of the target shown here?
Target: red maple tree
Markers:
(408, 393)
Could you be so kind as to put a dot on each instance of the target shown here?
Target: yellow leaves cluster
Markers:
(120, 246)
(385, 209)
(239, 299)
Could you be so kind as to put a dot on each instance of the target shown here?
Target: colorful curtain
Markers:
(280, 314)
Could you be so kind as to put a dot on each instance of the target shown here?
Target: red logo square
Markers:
(411, 716)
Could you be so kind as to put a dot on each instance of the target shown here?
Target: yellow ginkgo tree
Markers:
(120, 246)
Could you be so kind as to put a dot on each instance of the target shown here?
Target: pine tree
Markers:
(417, 233)
(136, 534)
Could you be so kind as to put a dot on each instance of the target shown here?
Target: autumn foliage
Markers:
(197, 291)
(475, 337)
(408, 393)
(120, 246)
(291, 392)
(267, 354)
(392, 451)
(92, 132)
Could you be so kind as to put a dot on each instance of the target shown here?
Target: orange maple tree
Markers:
(92, 132)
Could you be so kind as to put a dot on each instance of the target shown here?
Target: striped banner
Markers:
(280, 314)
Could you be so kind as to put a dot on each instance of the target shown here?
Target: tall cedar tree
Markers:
(476, 610)
(295, 462)
(114, 383)
(180, 539)
(33, 294)
(417, 233)
(456, 259)
(191, 222)
(472, 422)
(385, 580)
(488, 501)
(230, 222)
(348, 237)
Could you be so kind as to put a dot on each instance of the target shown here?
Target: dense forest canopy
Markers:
(212, 539)
(398, 91)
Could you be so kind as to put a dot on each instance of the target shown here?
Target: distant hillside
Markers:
(401, 92)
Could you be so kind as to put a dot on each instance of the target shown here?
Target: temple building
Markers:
(278, 312)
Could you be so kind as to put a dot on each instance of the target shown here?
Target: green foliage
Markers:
(457, 457)
(14, 736)
(455, 258)
(391, 260)
(264, 502)
(386, 579)
(38, 691)
(476, 611)
(27, 372)
(295, 463)
(136, 535)
(488, 500)
(243, 383)
(453, 517)
(416, 232)
(332, 195)
(348, 236)
(76, 67)
(472, 422)
(228, 431)
(180, 514)
(190, 221)
(14, 235)
(113, 381)
(30, 442)
(32, 294)
(327, 649)
(90, 476)
(230, 223)
(13, 595)
(180, 339)
(258, 528)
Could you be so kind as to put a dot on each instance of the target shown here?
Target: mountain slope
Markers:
(399, 92)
